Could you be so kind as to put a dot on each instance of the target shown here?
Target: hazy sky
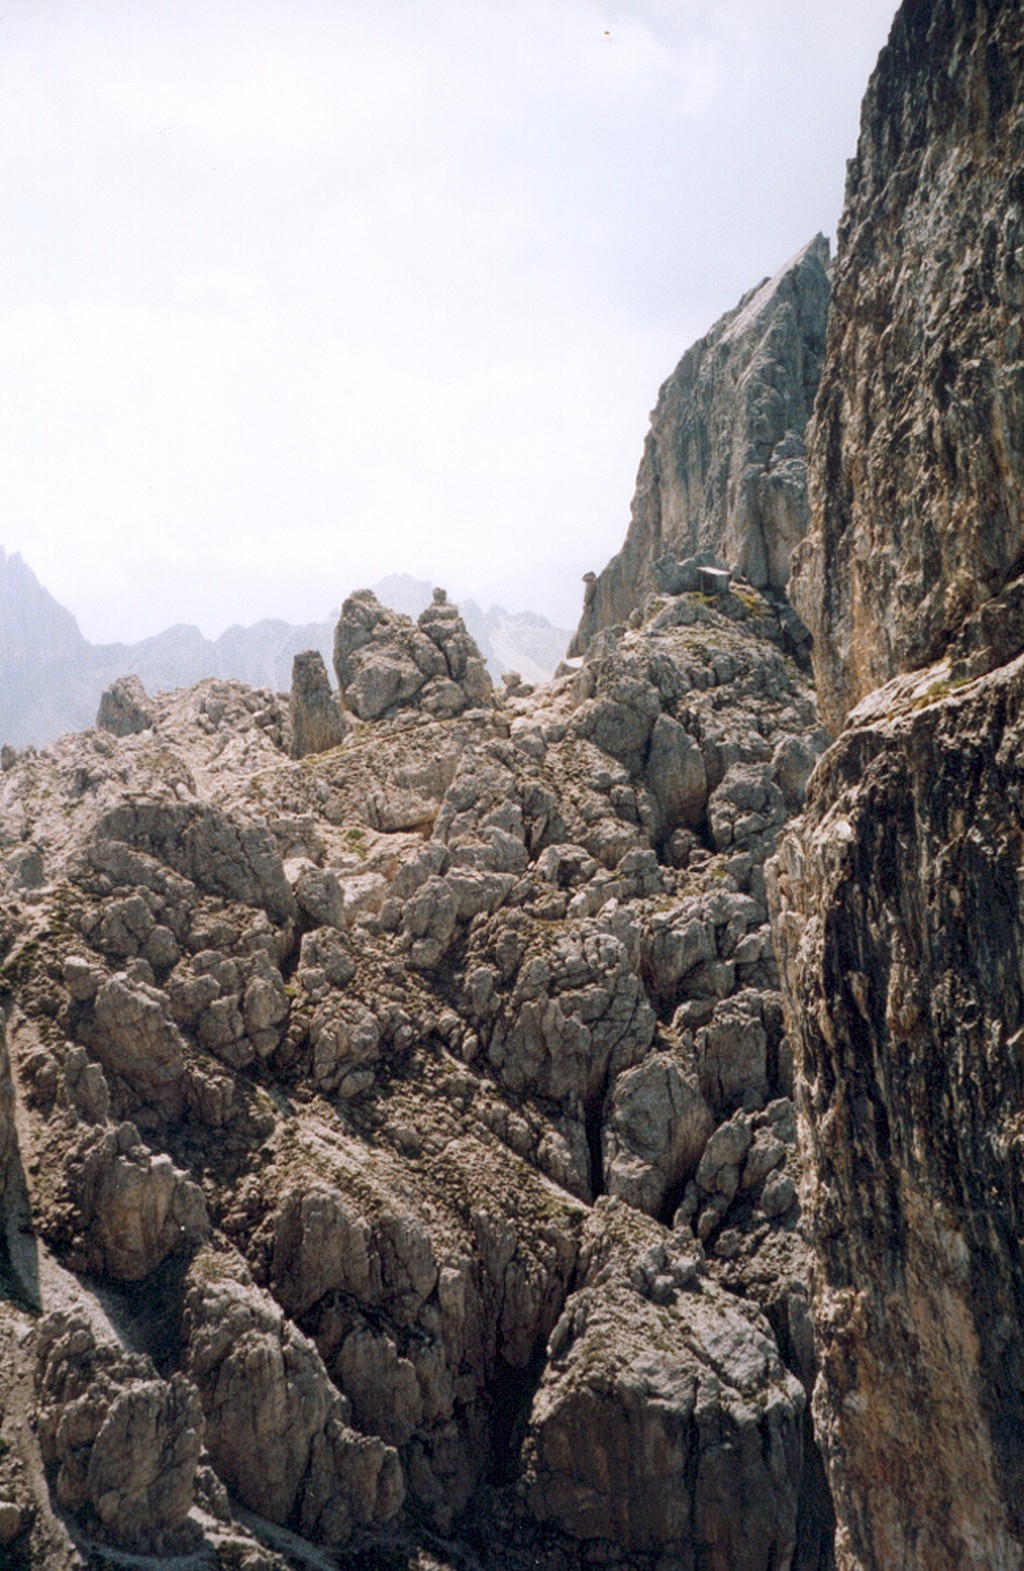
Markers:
(296, 295)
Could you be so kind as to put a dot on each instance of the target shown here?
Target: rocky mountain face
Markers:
(397, 1140)
(918, 444)
(897, 897)
(42, 657)
(418, 1147)
(724, 463)
(51, 678)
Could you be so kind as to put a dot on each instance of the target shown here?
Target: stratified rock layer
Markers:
(917, 445)
(724, 468)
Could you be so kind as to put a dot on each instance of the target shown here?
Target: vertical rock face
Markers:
(899, 924)
(917, 446)
(897, 897)
(317, 723)
(724, 466)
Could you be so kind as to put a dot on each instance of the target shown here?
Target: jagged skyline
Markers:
(314, 296)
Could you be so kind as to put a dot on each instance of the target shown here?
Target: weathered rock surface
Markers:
(724, 464)
(650, 1427)
(125, 707)
(897, 896)
(898, 914)
(276, 1427)
(124, 1444)
(316, 720)
(319, 1066)
(916, 451)
(384, 661)
(51, 678)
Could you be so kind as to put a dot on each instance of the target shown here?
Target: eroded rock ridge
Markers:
(397, 1138)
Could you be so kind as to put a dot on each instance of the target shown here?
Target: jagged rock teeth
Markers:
(322, 1063)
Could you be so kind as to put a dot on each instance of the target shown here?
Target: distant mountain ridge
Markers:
(51, 676)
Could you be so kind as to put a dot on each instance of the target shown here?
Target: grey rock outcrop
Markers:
(917, 457)
(276, 1426)
(316, 720)
(125, 707)
(321, 1066)
(703, 1413)
(898, 919)
(52, 678)
(385, 662)
(724, 467)
(123, 1443)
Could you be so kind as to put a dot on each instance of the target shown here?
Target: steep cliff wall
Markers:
(917, 444)
(723, 467)
(897, 897)
(898, 921)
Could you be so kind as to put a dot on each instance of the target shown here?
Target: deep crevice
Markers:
(510, 1395)
(593, 1126)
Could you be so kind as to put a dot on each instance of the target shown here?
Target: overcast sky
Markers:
(296, 295)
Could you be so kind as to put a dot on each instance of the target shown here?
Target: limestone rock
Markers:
(665, 1403)
(276, 1427)
(723, 467)
(238, 861)
(125, 707)
(134, 1207)
(384, 661)
(897, 912)
(123, 1442)
(656, 1128)
(317, 722)
(318, 1064)
(916, 454)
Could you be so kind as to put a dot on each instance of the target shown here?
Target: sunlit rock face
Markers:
(395, 1116)
(917, 443)
(724, 466)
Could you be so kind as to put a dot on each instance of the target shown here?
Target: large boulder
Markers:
(317, 722)
(277, 1429)
(385, 662)
(664, 1405)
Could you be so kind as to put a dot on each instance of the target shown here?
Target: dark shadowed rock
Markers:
(898, 919)
(917, 446)
(317, 721)
(896, 898)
